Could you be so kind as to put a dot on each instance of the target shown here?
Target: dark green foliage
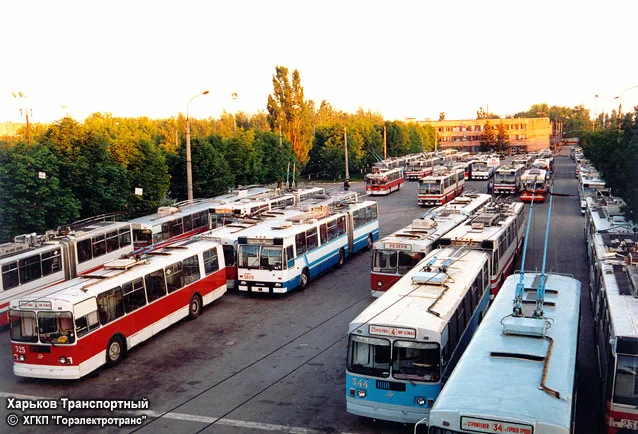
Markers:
(614, 153)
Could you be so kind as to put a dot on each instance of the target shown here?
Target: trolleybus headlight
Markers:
(379, 283)
(420, 400)
(277, 285)
(361, 393)
(21, 357)
(243, 283)
(62, 360)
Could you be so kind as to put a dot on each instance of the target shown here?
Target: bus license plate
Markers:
(248, 276)
(630, 424)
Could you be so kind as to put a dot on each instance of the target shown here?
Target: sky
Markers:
(402, 59)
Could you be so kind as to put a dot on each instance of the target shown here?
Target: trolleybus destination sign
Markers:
(392, 331)
(494, 426)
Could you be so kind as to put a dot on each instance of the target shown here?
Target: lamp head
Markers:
(205, 92)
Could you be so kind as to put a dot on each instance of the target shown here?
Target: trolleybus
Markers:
(60, 255)
(507, 179)
(534, 185)
(398, 253)
(403, 347)
(290, 252)
(614, 291)
(71, 329)
(440, 187)
(499, 229)
(417, 169)
(481, 169)
(518, 375)
(384, 181)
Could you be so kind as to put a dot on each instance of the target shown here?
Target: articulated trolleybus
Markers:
(499, 229)
(440, 187)
(385, 181)
(398, 253)
(403, 347)
(37, 262)
(71, 329)
(290, 252)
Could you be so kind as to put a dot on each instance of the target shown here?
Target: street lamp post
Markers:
(610, 99)
(620, 104)
(22, 96)
(189, 171)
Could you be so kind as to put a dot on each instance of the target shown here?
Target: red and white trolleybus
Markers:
(534, 185)
(71, 329)
(384, 181)
(440, 187)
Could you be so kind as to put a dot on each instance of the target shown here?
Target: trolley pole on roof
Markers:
(189, 171)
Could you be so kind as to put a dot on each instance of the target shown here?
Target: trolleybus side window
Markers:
(23, 327)
(112, 241)
(188, 223)
(109, 305)
(341, 225)
(155, 285)
(626, 387)
(30, 268)
(99, 246)
(332, 230)
(86, 323)
(56, 327)
(454, 334)
(369, 356)
(416, 361)
(174, 277)
(190, 269)
(371, 212)
(300, 243)
(323, 232)
(211, 262)
(10, 276)
(311, 238)
(290, 257)
(134, 295)
(359, 217)
(51, 262)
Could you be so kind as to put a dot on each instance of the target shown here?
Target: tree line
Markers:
(72, 170)
(614, 152)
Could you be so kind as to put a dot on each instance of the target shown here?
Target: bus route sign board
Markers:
(475, 424)
(493, 162)
(392, 331)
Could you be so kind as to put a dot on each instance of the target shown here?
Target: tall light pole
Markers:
(620, 105)
(610, 99)
(22, 96)
(189, 170)
(234, 96)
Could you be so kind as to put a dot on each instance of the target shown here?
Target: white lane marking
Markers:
(197, 418)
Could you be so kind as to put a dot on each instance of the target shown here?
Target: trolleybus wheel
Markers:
(195, 306)
(303, 280)
(115, 351)
(341, 259)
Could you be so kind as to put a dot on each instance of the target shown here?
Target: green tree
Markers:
(28, 202)
(488, 137)
(289, 113)
(502, 139)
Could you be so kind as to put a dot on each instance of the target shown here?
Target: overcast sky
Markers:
(399, 58)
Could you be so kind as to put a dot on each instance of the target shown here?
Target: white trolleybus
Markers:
(403, 347)
(440, 187)
(507, 179)
(417, 169)
(40, 261)
(291, 252)
(484, 168)
(185, 219)
(614, 287)
(534, 185)
(499, 229)
(398, 253)
(518, 375)
(385, 181)
(523, 160)
(71, 329)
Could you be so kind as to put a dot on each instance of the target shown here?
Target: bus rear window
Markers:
(626, 387)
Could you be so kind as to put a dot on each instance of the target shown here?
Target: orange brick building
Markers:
(524, 134)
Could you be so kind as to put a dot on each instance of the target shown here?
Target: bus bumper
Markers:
(40, 371)
(388, 412)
